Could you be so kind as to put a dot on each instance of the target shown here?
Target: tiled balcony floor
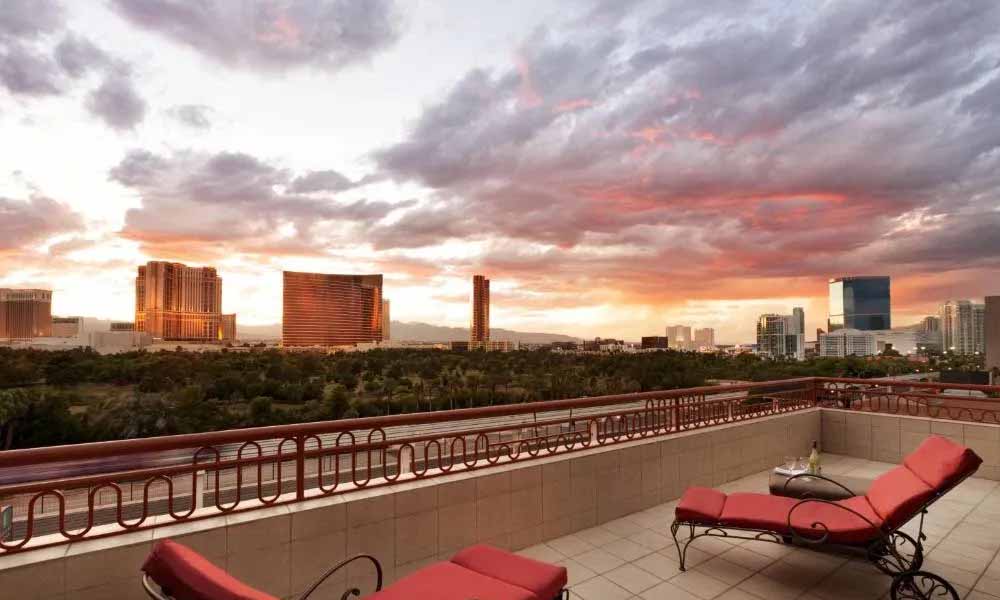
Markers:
(635, 558)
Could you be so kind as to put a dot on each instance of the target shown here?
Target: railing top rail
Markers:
(936, 385)
(96, 450)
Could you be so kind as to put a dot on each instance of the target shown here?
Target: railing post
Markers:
(677, 413)
(198, 493)
(300, 468)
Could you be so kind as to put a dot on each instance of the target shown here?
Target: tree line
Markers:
(72, 396)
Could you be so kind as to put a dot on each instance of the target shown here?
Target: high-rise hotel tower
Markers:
(25, 314)
(175, 302)
(331, 310)
(479, 328)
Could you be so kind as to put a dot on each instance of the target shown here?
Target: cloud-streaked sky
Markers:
(613, 166)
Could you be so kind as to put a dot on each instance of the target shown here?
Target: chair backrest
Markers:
(183, 574)
(930, 470)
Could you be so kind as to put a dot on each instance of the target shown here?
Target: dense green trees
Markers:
(78, 395)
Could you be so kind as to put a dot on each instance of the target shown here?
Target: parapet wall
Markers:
(409, 525)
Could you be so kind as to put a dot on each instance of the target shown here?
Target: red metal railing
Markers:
(68, 493)
(950, 401)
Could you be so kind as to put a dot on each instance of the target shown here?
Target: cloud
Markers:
(26, 222)
(197, 116)
(77, 55)
(672, 149)
(235, 202)
(272, 35)
(29, 19)
(23, 71)
(321, 181)
(117, 102)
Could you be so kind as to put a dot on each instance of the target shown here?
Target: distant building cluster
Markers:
(681, 337)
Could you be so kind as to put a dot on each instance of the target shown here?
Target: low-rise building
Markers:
(847, 342)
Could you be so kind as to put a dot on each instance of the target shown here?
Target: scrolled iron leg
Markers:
(682, 552)
(921, 585)
(896, 553)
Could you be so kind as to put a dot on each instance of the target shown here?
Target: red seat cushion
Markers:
(448, 581)
(897, 495)
(184, 574)
(700, 505)
(844, 526)
(940, 462)
(542, 579)
(757, 511)
(763, 511)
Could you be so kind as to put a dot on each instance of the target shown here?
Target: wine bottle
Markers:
(814, 466)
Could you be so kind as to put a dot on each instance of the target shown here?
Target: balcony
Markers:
(587, 482)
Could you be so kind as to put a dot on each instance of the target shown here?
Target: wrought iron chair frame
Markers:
(157, 594)
(906, 573)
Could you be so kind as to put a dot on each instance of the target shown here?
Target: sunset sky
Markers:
(612, 166)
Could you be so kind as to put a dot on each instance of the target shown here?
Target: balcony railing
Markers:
(68, 493)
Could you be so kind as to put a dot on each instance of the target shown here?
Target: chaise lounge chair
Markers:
(869, 524)
(175, 572)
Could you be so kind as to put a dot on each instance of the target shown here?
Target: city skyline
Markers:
(606, 165)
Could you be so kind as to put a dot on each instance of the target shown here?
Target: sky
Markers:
(613, 166)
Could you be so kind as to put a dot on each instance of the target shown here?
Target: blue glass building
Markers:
(859, 303)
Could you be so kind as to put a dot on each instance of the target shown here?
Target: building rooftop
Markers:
(634, 557)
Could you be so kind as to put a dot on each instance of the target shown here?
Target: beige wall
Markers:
(888, 438)
(282, 549)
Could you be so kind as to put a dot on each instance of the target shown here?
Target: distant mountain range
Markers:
(401, 331)
(421, 332)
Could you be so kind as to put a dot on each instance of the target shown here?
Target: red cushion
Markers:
(700, 505)
(940, 462)
(757, 511)
(448, 581)
(844, 526)
(184, 574)
(542, 579)
(897, 495)
(763, 511)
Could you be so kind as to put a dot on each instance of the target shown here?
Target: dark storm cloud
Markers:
(327, 34)
(117, 102)
(235, 200)
(771, 135)
(197, 116)
(24, 222)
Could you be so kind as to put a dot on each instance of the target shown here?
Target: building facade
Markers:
(862, 303)
(25, 313)
(680, 337)
(963, 327)
(386, 334)
(847, 342)
(780, 336)
(655, 342)
(479, 327)
(704, 338)
(122, 326)
(67, 327)
(174, 302)
(330, 310)
(991, 332)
